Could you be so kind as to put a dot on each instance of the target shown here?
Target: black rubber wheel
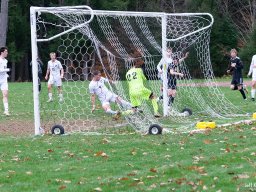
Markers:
(155, 129)
(187, 111)
(57, 130)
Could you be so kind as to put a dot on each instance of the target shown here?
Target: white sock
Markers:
(6, 107)
(126, 104)
(60, 96)
(111, 112)
(253, 93)
(50, 95)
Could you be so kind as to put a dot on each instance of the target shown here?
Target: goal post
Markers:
(88, 40)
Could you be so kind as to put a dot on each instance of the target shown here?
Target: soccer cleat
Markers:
(157, 115)
(6, 113)
(117, 115)
(49, 100)
(252, 99)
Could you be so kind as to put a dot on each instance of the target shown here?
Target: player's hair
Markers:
(96, 72)
(233, 50)
(52, 53)
(2, 49)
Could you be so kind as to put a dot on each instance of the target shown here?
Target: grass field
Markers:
(218, 160)
(222, 159)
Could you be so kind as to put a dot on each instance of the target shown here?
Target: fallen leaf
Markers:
(101, 154)
(98, 189)
(153, 170)
(62, 187)
(133, 152)
(123, 179)
(207, 141)
(29, 173)
(50, 150)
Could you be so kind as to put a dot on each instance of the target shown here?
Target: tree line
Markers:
(234, 26)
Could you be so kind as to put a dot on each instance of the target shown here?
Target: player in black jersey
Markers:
(236, 67)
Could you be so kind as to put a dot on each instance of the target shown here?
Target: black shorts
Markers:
(237, 81)
(172, 84)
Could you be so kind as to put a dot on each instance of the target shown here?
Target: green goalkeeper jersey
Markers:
(135, 78)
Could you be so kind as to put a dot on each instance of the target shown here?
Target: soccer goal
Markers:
(86, 40)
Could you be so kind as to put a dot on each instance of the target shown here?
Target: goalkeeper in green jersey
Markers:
(138, 92)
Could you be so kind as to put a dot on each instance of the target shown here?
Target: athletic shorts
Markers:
(139, 96)
(172, 84)
(237, 81)
(55, 81)
(4, 86)
(109, 98)
(253, 77)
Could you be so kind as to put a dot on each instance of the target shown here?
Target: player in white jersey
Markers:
(252, 72)
(54, 76)
(97, 87)
(168, 60)
(3, 78)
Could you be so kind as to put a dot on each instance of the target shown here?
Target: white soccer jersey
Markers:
(253, 68)
(99, 88)
(160, 65)
(3, 70)
(55, 68)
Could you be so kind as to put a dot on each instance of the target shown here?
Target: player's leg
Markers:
(171, 94)
(4, 88)
(123, 103)
(107, 109)
(50, 91)
(240, 88)
(253, 90)
(150, 95)
(59, 85)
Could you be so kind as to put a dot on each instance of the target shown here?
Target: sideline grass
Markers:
(220, 160)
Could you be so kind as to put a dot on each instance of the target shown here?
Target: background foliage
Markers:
(228, 29)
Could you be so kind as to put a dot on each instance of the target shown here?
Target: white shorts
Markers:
(110, 97)
(4, 86)
(57, 82)
(254, 77)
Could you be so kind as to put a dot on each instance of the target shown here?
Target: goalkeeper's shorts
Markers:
(139, 96)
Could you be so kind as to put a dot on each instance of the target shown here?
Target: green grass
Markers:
(223, 159)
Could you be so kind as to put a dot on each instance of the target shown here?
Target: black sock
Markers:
(170, 101)
(243, 93)
(235, 87)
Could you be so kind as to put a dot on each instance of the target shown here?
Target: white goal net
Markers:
(86, 40)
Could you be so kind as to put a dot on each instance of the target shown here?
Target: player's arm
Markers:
(172, 72)
(251, 68)
(160, 64)
(183, 58)
(47, 72)
(62, 73)
(239, 64)
(93, 99)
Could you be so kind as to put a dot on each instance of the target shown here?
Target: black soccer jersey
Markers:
(237, 70)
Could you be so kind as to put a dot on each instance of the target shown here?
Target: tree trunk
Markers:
(13, 72)
(4, 21)
(26, 68)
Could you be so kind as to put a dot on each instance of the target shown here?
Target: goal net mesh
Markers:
(110, 43)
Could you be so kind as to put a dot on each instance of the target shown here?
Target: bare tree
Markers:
(242, 13)
(3, 21)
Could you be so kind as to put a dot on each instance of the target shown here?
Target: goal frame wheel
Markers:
(155, 129)
(57, 130)
(187, 111)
